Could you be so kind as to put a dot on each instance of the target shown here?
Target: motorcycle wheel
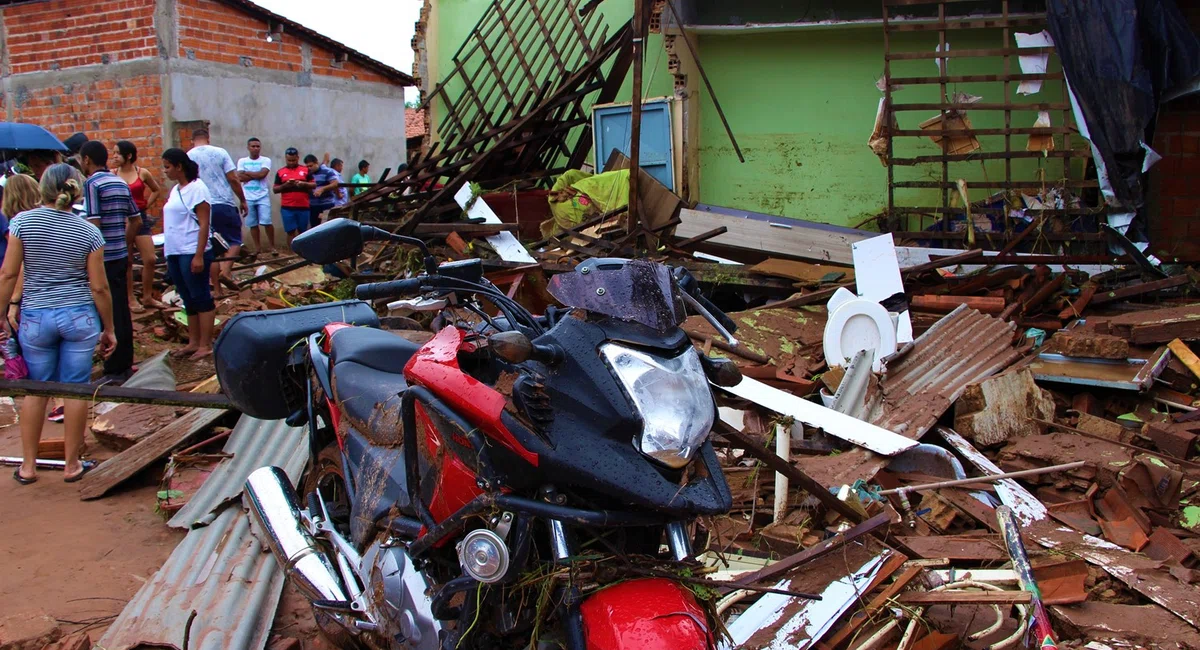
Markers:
(326, 473)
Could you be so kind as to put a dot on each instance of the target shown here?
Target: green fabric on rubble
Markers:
(578, 196)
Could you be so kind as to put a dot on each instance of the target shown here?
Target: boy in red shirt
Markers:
(293, 183)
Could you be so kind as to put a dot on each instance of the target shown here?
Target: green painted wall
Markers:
(802, 105)
(455, 19)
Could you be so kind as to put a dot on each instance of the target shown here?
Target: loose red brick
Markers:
(1171, 439)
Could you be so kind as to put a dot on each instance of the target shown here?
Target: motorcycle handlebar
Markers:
(392, 289)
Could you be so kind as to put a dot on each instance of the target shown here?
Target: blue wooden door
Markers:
(611, 125)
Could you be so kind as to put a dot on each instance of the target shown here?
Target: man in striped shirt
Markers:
(109, 205)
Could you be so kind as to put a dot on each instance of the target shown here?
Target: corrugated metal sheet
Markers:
(920, 384)
(963, 348)
(219, 570)
(254, 443)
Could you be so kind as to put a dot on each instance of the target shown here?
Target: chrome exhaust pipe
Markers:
(274, 510)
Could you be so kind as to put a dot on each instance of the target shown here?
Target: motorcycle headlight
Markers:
(671, 395)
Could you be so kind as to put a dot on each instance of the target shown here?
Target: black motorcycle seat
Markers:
(371, 399)
(373, 348)
(367, 370)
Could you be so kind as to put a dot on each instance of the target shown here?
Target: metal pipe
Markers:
(14, 461)
(576, 515)
(783, 449)
(560, 543)
(275, 511)
(986, 479)
(679, 541)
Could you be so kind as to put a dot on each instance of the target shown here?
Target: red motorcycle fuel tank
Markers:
(435, 366)
(645, 614)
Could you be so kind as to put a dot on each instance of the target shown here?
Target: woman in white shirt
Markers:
(186, 216)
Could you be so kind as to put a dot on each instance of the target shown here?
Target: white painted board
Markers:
(815, 618)
(877, 276)
(852, 430)
(507, 246)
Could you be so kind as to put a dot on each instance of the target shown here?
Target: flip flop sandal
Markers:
(21, 479)
(87, 467)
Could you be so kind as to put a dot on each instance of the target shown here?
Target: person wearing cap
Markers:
(293, 182)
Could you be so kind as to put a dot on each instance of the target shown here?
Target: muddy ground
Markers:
(80, 562)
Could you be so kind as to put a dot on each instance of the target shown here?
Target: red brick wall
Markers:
(323, 64)
(1173, 197)
(107, 110)
(68, 33)
(213, 31)
(1174, 193)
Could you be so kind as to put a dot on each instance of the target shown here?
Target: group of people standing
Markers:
(66, 281)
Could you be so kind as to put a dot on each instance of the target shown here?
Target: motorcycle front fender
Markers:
(646, 614)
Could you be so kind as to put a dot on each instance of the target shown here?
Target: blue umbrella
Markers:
(16, 136)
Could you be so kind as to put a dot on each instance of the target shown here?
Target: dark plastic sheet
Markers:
(1120, 56)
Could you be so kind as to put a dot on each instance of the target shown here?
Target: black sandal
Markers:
(87, 465)
(21, 479)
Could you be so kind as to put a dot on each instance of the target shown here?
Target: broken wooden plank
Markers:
(974, 548)
(1138, 572)
(859, 618)
(1075, 309)
(23, 387)
(1185, 356)
(947, 597)
(123, 426)
(124, 465)
(1061, 583)
(947, 304)
(785, 565)
(778, 236)
(814, 619)
(1140, 289)
(271, 274)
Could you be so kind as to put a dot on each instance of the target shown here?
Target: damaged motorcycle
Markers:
(517, 481)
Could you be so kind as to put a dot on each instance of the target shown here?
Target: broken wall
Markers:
(802, 102)
(449, 22)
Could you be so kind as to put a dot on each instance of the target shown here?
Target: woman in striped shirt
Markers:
(64, 305)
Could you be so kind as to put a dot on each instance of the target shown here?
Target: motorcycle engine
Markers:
(400, 593)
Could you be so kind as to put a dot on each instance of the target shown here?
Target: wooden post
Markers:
(635, 125)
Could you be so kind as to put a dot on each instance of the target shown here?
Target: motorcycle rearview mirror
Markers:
(722, 372)
(329, 243)
(515, 347)
(341, 239)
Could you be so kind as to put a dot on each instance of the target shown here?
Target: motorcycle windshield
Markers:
(631, 290)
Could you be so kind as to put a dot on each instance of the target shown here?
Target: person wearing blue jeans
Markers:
(293, 182)
(186, 218)
(66, 309)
